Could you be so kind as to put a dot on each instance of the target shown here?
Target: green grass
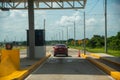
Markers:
(99, 50)
(16, 47)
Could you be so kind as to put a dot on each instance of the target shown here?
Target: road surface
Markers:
(68, 68)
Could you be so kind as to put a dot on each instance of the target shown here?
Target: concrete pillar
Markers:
(31, 29)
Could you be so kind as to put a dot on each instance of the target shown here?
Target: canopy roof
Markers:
(43, 4)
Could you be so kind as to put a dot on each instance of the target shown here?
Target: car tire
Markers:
(66, 55)
(54, 55)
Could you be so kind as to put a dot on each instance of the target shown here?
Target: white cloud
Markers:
(4, 14)
(90, 21)
(14, 24)
(68, 20)
(17, 13)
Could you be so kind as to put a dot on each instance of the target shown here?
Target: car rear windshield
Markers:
(60, 45)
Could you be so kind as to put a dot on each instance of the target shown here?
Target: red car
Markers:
(61, 49)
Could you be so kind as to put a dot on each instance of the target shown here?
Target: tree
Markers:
(96, 41)
(114, 42)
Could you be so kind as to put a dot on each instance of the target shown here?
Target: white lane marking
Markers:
(28, 77)
(100, 70)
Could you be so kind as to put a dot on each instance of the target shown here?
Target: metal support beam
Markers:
(44, 24)
(43, 4)
(45, 29)
(84, 35)
(62, 36)
(67, 35)
(105, 26)
(74, 34)
(31, 29)
(59, 38)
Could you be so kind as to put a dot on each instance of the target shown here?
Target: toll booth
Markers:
(40, 48)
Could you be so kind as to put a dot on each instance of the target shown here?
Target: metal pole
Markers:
(31, 29)
(74, 35)
(59, 37)
(44, 23)
(84, 35)
(54, 37)
(44, 30)
(62, 36)
(67, 35)
(105, 26)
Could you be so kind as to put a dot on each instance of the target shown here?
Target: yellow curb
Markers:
(116, 75)
(99, 57)
(14, 75)
(22, 74)
(33, 67)
(83, 55)
(116, 63)
(95, 55)
(112, 72)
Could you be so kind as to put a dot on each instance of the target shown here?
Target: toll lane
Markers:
(67, 68)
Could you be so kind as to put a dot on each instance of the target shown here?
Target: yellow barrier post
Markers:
(10, 61)
(14, 56)
(0, 57)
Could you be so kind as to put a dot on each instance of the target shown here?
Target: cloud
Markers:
(16, 23)
(90, 21)
(94, 25)
(4, 14)
(19, 13)
(68, 20)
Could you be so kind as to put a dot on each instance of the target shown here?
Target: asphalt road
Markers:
(68, 68)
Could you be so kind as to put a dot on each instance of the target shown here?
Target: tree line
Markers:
(98, 41)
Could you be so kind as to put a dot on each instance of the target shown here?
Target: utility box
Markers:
(40, 48)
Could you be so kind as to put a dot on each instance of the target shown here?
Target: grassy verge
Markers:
(16, 47)
(99, 50)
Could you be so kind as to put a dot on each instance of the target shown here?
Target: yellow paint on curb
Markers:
(116, 75)
(112, 72)
(95, 55)
(99, 57)
(83, 55)
(116, 63)
(21, 74)
(102, 66)
(14, 76)
(33, 67)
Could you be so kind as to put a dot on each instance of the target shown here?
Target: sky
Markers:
(14, 23)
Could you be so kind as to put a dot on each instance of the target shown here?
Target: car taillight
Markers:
(55, 48)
